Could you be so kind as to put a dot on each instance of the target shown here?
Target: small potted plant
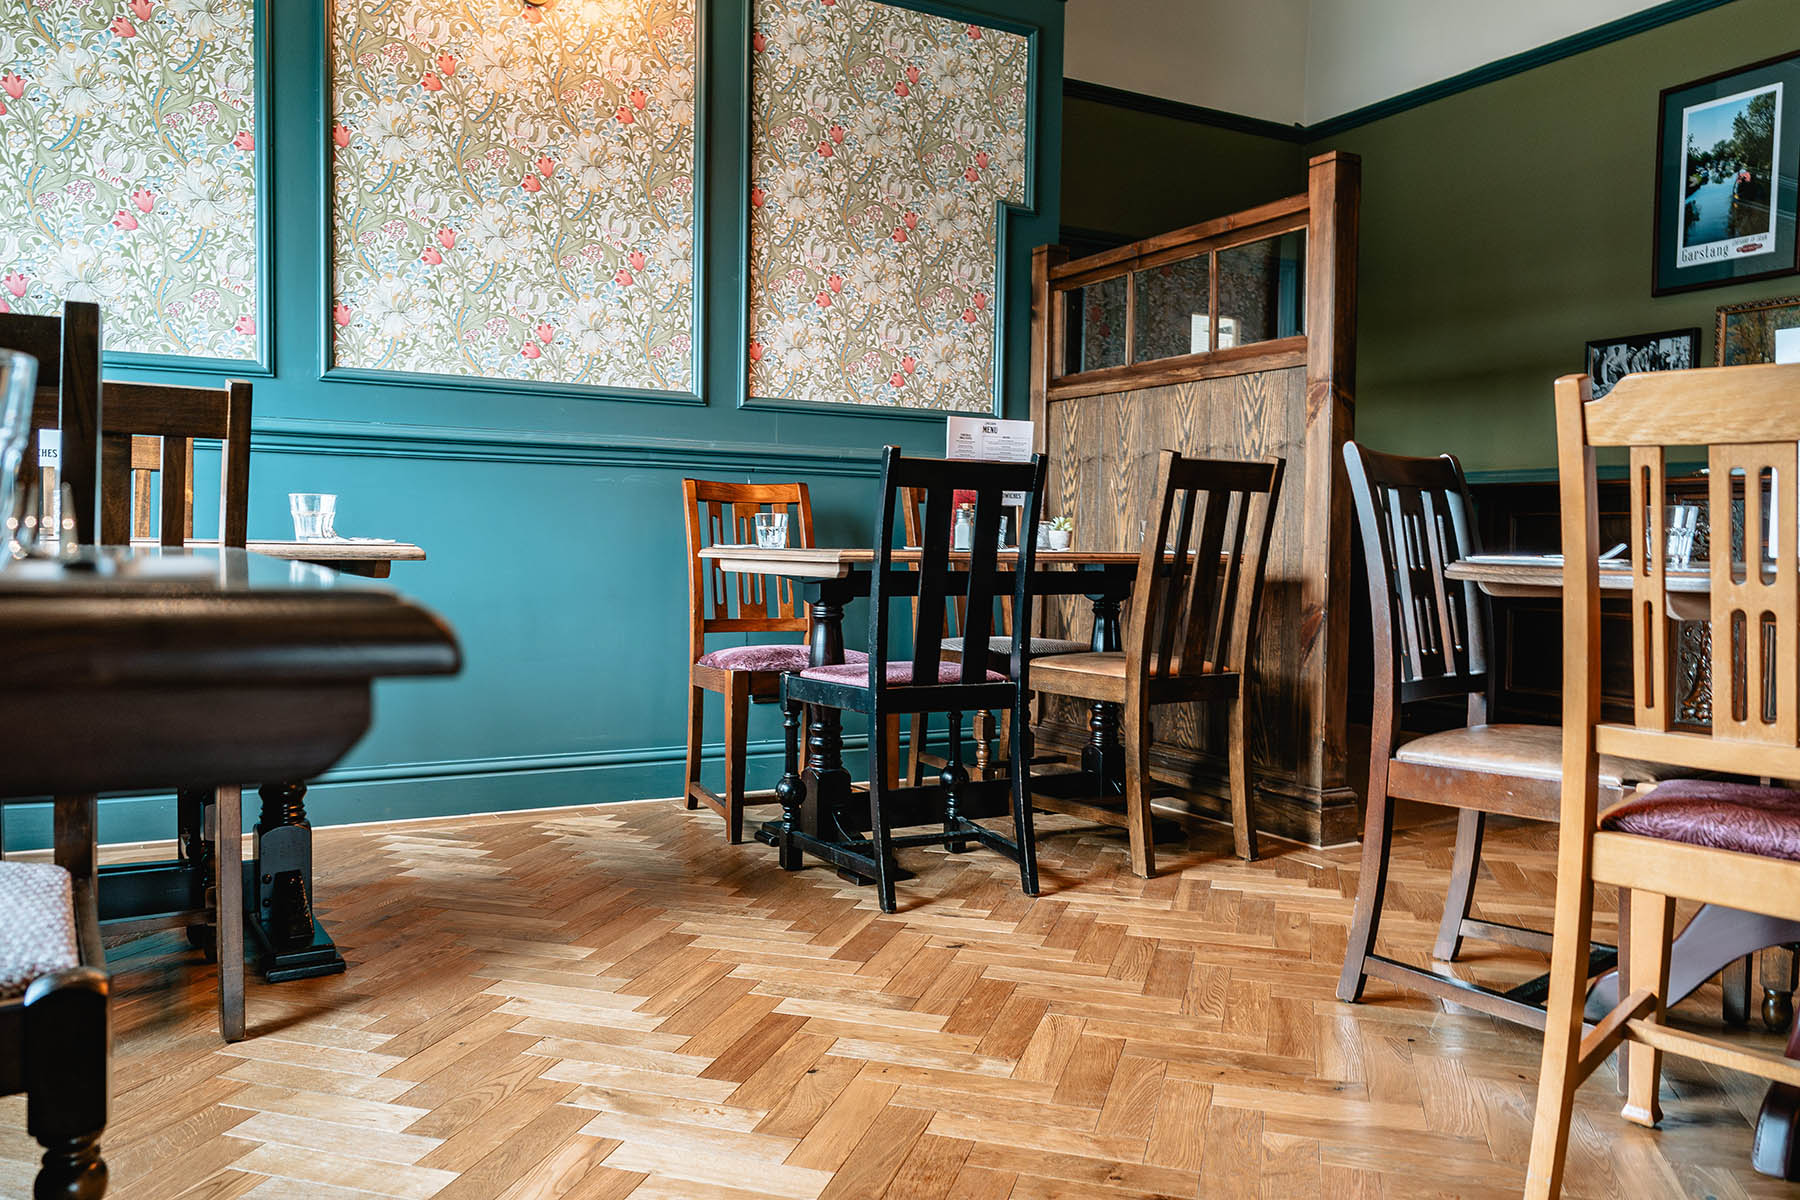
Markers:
(1060, 533)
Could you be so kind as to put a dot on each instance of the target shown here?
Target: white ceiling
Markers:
(1304, 61)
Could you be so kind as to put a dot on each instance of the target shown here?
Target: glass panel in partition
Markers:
(1262, 290)
(1172, 309)
(1094, 333)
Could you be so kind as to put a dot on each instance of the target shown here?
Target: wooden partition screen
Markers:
(1234, 338)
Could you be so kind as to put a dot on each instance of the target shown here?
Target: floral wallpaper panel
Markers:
(128, 164)
(882, 142)
(513, 189)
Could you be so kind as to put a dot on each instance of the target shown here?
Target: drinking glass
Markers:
(314, 516)
(1679, 523)
(18, 383)
(771, 530)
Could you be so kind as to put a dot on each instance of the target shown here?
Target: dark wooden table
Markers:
(150, 668)
(831, 578)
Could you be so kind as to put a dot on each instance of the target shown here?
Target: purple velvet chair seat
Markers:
(899, 674)
(774, 656)
(1743, 817)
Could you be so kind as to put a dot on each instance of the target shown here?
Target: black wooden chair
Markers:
(925, 681)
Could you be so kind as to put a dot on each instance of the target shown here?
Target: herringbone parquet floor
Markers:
(608, 1002)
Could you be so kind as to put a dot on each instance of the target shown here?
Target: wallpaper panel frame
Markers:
(1004, 213)
(693, 394)
(261, 362)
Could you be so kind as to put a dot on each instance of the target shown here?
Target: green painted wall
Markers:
(553, 524)
(1505, 226)
(1135, 174)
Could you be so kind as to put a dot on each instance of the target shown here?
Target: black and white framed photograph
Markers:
(1611, 359)
(1727, 153)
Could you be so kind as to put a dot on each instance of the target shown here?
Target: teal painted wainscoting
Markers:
(552, 521)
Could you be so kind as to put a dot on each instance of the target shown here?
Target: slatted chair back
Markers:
(1430, 631)
(938, 586)
(731, 602)
(1200, 616)
(67, 349)
(139, 415)
(1748, 418)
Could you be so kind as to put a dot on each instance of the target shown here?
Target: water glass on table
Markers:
(1680, 521)
(315, 516)
(771, 530)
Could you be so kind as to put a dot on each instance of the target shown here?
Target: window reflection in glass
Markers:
(1262, 288)
(1094, 329)
(1172, 304)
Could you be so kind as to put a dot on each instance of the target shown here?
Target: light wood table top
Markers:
(368, 557)
(1521, 575)
(824, 562)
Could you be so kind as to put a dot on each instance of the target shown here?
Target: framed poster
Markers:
(1611, 359)
(1748, 333)
(1727, 154)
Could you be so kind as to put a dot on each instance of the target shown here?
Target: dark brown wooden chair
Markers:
(1189, 635)
(67, 349)
(924, 682)
(138, 416)
(1430, 644)
(55, 1035)
(724, 513)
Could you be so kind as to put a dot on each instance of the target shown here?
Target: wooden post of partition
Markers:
(1334, 191)
(1046, 351)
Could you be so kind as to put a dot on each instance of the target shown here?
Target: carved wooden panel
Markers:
(1102, 472)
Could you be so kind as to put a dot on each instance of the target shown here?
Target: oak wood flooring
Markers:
(590, 1004)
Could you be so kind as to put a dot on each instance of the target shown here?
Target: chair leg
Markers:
(1560, 1071)
(878, 832)
(791, 787)
(953, 777)
(1136, 735)
(1243, 789)
(1470, 826)
(1647, 968)
(696, 721)
(1024, 829)
(64, 1071)
(228, 804)
(892, 759)
(1371, 887)
(915, 746)
(737, 734)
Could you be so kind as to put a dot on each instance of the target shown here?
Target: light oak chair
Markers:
(718, 603)
(1719, 843)
(1189, 635)
(1430, 644)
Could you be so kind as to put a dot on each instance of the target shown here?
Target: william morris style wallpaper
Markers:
(881, 142)
(513, 189)
(128, 169)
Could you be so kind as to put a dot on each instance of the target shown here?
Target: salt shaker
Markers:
(962, 534)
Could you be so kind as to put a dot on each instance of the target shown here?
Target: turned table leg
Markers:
(293, 943)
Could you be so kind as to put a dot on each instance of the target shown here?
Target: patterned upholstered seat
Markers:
(899, 674)
(1743, 817)
(1001, 644)
(37, 925)
(776, 656)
